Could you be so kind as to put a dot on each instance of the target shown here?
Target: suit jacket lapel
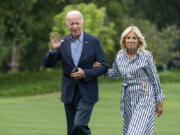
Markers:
(85, 47)
(67, 49)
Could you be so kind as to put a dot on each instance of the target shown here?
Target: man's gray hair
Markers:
(74, 12)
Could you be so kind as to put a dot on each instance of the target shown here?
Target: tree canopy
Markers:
(25, 27)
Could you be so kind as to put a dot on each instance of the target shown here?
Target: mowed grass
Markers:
(44, 114)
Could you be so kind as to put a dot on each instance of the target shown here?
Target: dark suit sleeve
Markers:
(100, 57)
(52, 57)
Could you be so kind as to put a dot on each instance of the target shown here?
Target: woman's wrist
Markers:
(160, 102)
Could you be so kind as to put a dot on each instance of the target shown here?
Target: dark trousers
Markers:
(78, 115)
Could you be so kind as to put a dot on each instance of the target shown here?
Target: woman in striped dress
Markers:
(142, 95)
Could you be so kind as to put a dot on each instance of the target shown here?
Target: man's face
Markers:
(75, 25)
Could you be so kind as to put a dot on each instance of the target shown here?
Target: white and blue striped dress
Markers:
(141, 91)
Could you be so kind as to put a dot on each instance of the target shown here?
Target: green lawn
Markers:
(44, 114)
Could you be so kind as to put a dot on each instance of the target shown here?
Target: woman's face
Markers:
(131, 41)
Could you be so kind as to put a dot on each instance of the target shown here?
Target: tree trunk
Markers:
(15, 59)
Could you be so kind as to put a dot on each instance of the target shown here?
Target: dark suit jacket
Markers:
(91, 52)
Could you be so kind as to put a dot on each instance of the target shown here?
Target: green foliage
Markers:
(169, 77)
(162, 43)
(29, 83)
(3, 48)
(15, 21)
(15, 24)
(26, 24)
(162, 13)
(95, 22)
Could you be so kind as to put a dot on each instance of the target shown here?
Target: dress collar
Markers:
(138, 53)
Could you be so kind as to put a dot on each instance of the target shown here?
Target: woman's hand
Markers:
(96, 64)
(159, 108)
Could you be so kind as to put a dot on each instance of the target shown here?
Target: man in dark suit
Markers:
(79, 91)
